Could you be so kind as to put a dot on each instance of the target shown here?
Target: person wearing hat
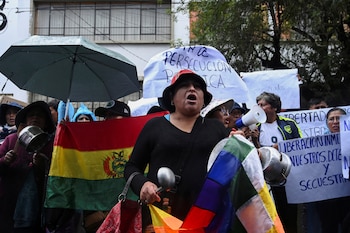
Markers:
(181, 140)
(22, 173)
(8, 113)
(236, 112)
(114, 110)
(218, 109)
(83, 114)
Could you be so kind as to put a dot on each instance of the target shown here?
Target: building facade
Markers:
(136, 29)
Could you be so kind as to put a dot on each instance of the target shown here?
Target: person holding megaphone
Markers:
(220, 109)
(274, 130)
(247, 122)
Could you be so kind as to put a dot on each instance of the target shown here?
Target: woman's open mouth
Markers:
(192, 98)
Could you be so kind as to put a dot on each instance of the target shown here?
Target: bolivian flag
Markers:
(234, 197)
(88, 162)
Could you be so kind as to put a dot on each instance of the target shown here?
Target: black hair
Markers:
(316, 100)
(53, 104)
(335, 109)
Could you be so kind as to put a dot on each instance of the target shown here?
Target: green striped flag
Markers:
(88, 162)
(235, 197)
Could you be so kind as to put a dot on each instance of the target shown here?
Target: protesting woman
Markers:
(181, 141)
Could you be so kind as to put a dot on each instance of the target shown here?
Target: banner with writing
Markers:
(283, 83)
(222, 80)
(345, 145)
(316, 172)
(311, 122)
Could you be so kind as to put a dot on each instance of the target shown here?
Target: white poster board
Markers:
(283, 83)
(141, 106)
(345, 144)
(311, 122)
(316, 172)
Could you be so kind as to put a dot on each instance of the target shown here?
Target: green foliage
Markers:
(253, 34)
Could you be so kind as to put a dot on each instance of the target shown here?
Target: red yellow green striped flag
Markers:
(88, 162)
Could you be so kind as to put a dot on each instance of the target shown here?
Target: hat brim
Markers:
(21, 115)
(242, 110)
(214, 104)
(165, 101)
(102, 112)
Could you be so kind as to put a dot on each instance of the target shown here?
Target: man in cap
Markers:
(114, 110)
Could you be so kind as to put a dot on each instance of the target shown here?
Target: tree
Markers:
(312, 36)
(323, 29)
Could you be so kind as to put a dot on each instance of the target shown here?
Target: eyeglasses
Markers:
(224, 111)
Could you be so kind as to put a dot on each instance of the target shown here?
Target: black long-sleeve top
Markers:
(161, 144)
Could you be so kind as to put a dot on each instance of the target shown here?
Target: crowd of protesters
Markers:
(182, 139)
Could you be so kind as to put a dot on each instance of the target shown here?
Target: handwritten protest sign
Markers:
(222, 80)
(311, 122)
(316, 172)
(345, 145)
(283, 83)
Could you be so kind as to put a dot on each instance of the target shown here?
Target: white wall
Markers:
(181, 25)
(17, 28)
(139, 54)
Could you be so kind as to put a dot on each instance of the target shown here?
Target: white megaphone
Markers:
(255, 115)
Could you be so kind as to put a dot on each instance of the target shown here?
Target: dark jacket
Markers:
(160, 144)
(287, 127)
(12, 180)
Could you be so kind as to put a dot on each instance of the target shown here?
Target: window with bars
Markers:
(118, 22)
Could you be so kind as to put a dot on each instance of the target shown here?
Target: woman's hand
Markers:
(39, 159)
(236, 131)
(275, 146)
(148, 193)
(255, 133)
(10, 157)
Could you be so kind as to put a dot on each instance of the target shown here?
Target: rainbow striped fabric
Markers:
(234, 197)
(88, 162)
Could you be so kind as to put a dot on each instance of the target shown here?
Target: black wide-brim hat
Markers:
(22, 114)
(236, 106)
(179, 77)
(116, 107)
(3, 109)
